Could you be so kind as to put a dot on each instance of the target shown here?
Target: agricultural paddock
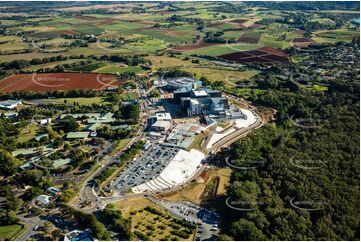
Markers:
(250, 37)
(200, 44)
(116, 69)
(265, 54)
(57, 81)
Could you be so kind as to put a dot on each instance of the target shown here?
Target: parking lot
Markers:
(148, 166)
(206, 220)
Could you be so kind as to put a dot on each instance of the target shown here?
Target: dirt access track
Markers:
(43, 82)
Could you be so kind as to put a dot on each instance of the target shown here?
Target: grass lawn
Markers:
(114, 69)
(7, 232)
(120, 145)
(87, 68)
(334, 36)
(166, 61)
(194, 191)
(229, 77)
(320, 88)
(52, 64)
(197, 142)
(222, 49)
(28, 133)
(129, 95)
(80, 100)
(123, 25)
(172, 35)
(325, 21)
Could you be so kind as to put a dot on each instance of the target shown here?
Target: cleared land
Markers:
(266, 54)
(198, 191)
(57, 81)
(28, 133)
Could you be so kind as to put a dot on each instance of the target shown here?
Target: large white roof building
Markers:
(9, 104)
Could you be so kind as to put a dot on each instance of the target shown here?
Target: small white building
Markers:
(163, 117)
(44, 199)
(195, 107)
(45, 121)
(9, 104)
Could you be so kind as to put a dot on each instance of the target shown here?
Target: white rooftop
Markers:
(199, 93)
(9, 104)
(181, 168)
(162, 124)
(44, 199)
(163, 116)
(194, 101)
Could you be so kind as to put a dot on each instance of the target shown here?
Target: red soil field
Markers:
(248, 40)
(61, 32)
(107, 21)
(239, 21)
(299, 32)
(44, 82)
(215, 24)
(86, 17)
(273, 51)
(265, 54)
(302, 40)
(201, 44)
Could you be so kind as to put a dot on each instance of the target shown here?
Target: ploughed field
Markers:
(43, 82)
(265, 54)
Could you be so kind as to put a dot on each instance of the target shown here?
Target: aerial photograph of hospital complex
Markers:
(180, 120)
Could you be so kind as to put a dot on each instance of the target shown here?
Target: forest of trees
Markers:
(327, 194)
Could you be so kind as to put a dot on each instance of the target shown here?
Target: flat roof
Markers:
(53, 190)
(77, 135)
(9, 102)
(208, 90)
(10, 114)
(199, 93)
(93, 127)
(30, 151)
(163, 124)
(194, 101)
(61, 162)
(27, 165)
(40, 136)
(164, 116)
(78, 115)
